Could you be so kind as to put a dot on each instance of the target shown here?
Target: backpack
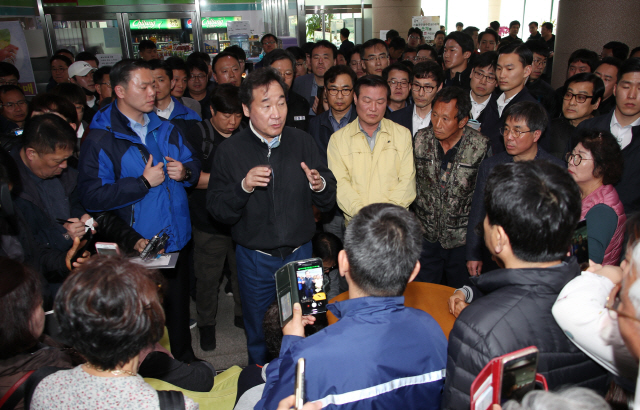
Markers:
(208, 136)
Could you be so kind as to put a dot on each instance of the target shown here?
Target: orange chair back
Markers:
(428, 297)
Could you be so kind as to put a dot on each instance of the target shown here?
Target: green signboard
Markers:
(217, 22)
(168, 24)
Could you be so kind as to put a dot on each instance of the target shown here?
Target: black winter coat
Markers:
(516, 313)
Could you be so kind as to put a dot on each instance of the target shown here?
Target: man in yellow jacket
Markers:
(372, 158)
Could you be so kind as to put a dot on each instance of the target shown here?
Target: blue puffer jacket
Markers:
(379, 355)
(112, 160)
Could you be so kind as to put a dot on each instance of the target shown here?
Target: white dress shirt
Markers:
(622, 134)
(420, 123)
(167, 111)
(502, 102)
(477, 108)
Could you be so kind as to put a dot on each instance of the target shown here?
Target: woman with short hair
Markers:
(596, 164)
(109, 310)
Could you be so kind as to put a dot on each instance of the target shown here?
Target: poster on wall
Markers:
(13, 49)
(428, 24)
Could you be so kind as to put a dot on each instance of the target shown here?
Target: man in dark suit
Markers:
(346, 45)
(323, 57)
(624, 123)
(513, 70)
(427, 81)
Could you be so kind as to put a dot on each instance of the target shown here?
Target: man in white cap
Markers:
(81, 73)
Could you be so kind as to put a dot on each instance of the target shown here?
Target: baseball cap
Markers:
(80, 68)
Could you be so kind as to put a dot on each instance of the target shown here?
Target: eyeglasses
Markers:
(344, 91)
(417, 88)
(576, 158)
(479, 76)
(613, 304)
(540, 63)
(504, 131)
(414, 37)
(268, 43)
(198, 77)
(395, 83)
(8, 82)
(107, 84)
(381, 57)
(13, 105)
(580, 98)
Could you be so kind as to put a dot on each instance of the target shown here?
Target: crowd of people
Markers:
(454, 163)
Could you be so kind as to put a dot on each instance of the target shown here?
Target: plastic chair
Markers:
(428, 297)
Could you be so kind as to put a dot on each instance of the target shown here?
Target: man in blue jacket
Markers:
(380, 354)
(138, 165)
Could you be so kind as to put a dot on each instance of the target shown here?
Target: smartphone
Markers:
(518, 374)
(86, 243)
(108, 248)
(310, 279)
(580, 244)
(507, 377)
(299, 392)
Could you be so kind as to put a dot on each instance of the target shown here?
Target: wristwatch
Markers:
(187, 174)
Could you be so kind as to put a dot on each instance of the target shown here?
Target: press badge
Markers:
(299, 118)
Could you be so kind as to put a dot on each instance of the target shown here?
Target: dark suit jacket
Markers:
(404, 117)
(302, 86)
(492, 121)
(321, 130)
(629, 186)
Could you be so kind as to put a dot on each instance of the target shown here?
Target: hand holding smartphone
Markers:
(108, 248)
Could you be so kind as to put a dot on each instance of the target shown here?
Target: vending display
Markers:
(171, 36)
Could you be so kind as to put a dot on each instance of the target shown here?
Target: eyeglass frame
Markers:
(479, 76)
(394, 83)
(540, 63)
(380, 57)
(421, 87)
(199, 77)
(513, 132)
(564, 97)
(10, 106)
(9, 82)
(334, 91)
(569, 157)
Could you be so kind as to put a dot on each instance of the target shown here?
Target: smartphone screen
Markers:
(518, 376)
(580, 243)
(310, 279)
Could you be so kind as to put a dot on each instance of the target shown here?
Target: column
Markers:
(591, 24)
(394, 14)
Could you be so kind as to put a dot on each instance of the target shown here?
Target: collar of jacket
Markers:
(366, 306)
(325, 121)
(179, 109)
(544, 280)
(353, 128)
(111, 119)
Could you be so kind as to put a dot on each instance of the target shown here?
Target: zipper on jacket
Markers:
(273, 194)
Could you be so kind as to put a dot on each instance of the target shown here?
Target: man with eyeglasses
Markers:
(447, 154)
(372, 157)
(323, 57)
(425, 52)
(512, 71)
(458, 48)
(269, 43)
(580, 102)
(103, 85)
(9, 74)
(483, 82)
(14, 108)
(375, 56)
(297, 106)
(522, 128)
(539, 88)
(624, 123)
(533, 208)
(409, 54)
(181, 77)
(197, 85)
(414, 37)
(399, 77)
(427, 79)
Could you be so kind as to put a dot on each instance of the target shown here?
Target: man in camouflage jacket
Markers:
(447, 155)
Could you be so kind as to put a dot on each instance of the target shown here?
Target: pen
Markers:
(63, 221)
